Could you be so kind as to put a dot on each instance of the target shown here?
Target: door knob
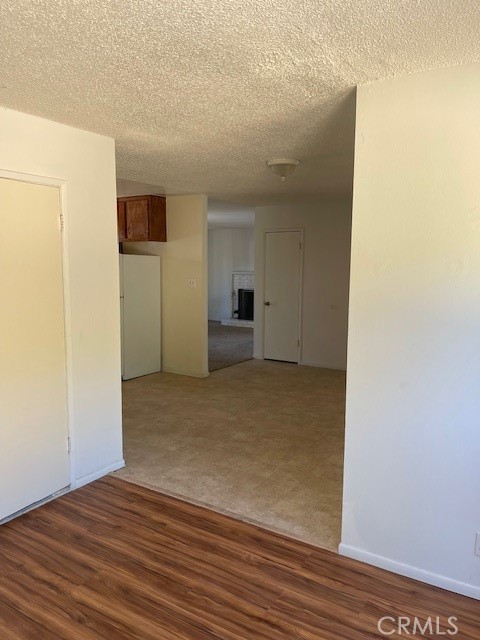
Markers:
(267, 304)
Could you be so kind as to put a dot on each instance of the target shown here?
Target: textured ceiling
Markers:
(199, 93)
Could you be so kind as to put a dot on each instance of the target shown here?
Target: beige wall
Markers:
(184, 257)
(326, 263)
(86, 163)
(412, 472)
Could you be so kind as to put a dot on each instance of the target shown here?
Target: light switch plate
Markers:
(192, 283)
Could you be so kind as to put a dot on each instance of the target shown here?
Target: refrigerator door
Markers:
(141, 323)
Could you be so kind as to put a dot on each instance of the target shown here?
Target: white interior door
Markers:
(282, 295)
(34, 460)
(141, 326)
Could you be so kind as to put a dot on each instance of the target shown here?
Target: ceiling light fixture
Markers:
(283, 167)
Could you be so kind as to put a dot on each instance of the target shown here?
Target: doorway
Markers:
(34, 458)
(283, 274)
(231, 284)
(261, 440)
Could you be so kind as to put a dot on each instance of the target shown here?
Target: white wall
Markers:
(131, 188)
(228, 250)
(412, 463)
(86, 162)
(326, 228)
(184, 256)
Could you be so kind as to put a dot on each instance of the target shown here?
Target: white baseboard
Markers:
(192, 374)
(307, 363)
(322, 365)
(435, 579)
(80, 482)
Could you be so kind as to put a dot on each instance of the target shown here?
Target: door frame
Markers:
(300, 285)
(61, 185)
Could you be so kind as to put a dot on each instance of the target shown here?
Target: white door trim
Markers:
(300, 293)
(67, 310)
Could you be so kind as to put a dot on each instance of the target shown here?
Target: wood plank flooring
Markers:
(116, 560)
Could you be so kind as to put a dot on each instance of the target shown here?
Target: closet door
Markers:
(34, 459)
(283, 252)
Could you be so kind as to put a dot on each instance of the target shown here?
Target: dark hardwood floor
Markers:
(115, 560)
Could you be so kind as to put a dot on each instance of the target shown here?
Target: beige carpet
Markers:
(261, 440)
(228, 345)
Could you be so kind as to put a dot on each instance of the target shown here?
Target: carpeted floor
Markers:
(261, 440)
(228, 345)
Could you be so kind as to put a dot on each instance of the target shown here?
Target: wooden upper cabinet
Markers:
(142, 218)
(122, 223)
(137, 219)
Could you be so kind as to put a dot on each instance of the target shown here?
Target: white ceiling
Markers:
(200, 93)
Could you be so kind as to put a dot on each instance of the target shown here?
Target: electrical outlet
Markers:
(477, 544)
(192, 283)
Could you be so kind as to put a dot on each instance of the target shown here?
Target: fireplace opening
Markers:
(245, 304)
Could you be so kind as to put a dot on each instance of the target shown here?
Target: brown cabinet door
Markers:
(157, 225)
(136, 215)
(122, 223)
(142, 218)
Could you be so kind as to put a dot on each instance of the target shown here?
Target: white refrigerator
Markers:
(140, 309)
